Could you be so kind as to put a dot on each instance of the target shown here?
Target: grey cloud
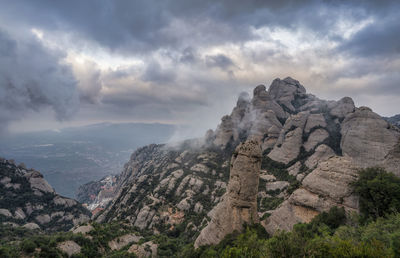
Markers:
(157, 74)
(31, 79)
(140, 26)
(378, 39)
(220, 60)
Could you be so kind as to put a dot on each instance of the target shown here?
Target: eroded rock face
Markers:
(239, 204)
(326, 186)
(368, 139)
(20, 203)
(294, 128)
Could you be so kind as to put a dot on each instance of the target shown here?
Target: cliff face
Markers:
(311, 150)
(28, 200)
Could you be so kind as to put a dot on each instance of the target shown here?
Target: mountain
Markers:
(74, 156)
(394, 120)
(281, 158)
(310, 153)
(28, 200)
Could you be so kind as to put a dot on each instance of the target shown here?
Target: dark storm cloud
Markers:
(31, 78)
(378, 39)
(137, 26)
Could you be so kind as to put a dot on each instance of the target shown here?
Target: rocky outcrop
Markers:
(239, 205)
(122, 241)
(148, 249)
(69, 247)
(306, 143)
(326, 186)
(369, 140)
(34, 203)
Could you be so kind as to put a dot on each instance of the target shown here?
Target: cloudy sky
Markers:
(75, 62)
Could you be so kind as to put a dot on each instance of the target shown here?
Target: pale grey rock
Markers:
(184, 205)
(224, 132)
(278, 185)
(5, 213)
(343, 107)
(290, 140)
(316, 137)
(5, 180)
(289, 149)
(294, 169)
(38, 182)
(80, 220)
(122, 241)
(262, 101)
(313, 121)
(191, 182)
(284, 91)
(198, 207)
(69, 247)
(322, 153)
(300, 177)
(43, 219)
(200, 168)
(28, 208)
(31, 226)
(368, 139)
(239, 205)
(83, 229)
(58, 200)
(144, 216)
(19, 214)
(326, 186)
(148, 249)
(268, 178)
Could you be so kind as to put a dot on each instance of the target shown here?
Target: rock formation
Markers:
(239, 205)
(326, 186)
(311, 150)
(28, 200)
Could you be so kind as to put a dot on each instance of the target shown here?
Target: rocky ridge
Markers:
(28, 200)
(311, 150)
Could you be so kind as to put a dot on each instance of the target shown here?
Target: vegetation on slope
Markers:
(373, 233)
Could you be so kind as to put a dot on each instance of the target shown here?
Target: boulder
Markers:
(83, 229)
(31, 226)
(69, 247)
(278, 185)
(122, 241)
(148, 249)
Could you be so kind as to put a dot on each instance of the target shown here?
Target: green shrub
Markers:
(379, 192)
(28, 246)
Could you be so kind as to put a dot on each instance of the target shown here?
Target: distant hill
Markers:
(28, 200)
(74, 156)
(394, 120)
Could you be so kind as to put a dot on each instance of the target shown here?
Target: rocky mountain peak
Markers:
(282, 157)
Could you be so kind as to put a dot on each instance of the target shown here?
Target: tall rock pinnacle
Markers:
(239, 205)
